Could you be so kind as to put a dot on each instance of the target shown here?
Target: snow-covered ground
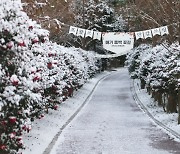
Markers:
(112, 123)
(169, 120)
(44, 130)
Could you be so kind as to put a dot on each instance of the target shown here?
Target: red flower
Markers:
(3, 147)
(39, 70)
(12, 120)
(14, 80)
(42, 115)
(3, 123)
(15, 83)
(30, 27)
(49, 65)
(36, 78)
(19, 139)
(9, 45)
(28, 129)
(55, 62)
(35, 41)
(55, 107)
(50, 54)
(12, 135)
(33, 72)
(22, 44)
(24, 128)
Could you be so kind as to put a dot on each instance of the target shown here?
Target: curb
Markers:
(143, 108)
(55, 138)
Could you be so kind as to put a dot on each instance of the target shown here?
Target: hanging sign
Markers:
(119, 43)
(81, 32)
(73, 30)
(147, 34)
(155, 31)
(139, 35)
(97, 35)
(164, 30)
(89, 33)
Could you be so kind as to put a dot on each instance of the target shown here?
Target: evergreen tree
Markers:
(97, 16)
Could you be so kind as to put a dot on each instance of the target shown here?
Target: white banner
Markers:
(118, 39)
(164, 30)
(97, 35)
(147, 34)
(119, 43)
(139, 35)
(81, 32)
(73, 30)
(156, 31)
(89, 33)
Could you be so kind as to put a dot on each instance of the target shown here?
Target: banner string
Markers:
(67, 25)
(108, 46)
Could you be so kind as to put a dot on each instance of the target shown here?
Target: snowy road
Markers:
(111, 123)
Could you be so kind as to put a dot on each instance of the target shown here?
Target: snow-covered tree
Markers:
(97, 16)
(151, 14)
(157, 65)
(158, 70)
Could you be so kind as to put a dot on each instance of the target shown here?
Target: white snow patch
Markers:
(169, 120)
(43, 130)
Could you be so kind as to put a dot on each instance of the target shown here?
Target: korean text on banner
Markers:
(119, 43)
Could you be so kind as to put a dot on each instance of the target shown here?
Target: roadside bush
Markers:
(158, 69)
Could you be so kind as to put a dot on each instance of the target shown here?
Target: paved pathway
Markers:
(111, 123)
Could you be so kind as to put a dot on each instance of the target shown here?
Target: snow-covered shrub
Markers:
(159, 71)
(16, 38)
(35, 74)
(134, 59)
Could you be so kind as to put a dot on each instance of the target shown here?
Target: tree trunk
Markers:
(172, 102)
(164, 98)
(142, 83)
(157, 95)
(159, 98)
(149, 91)
(153, 94)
